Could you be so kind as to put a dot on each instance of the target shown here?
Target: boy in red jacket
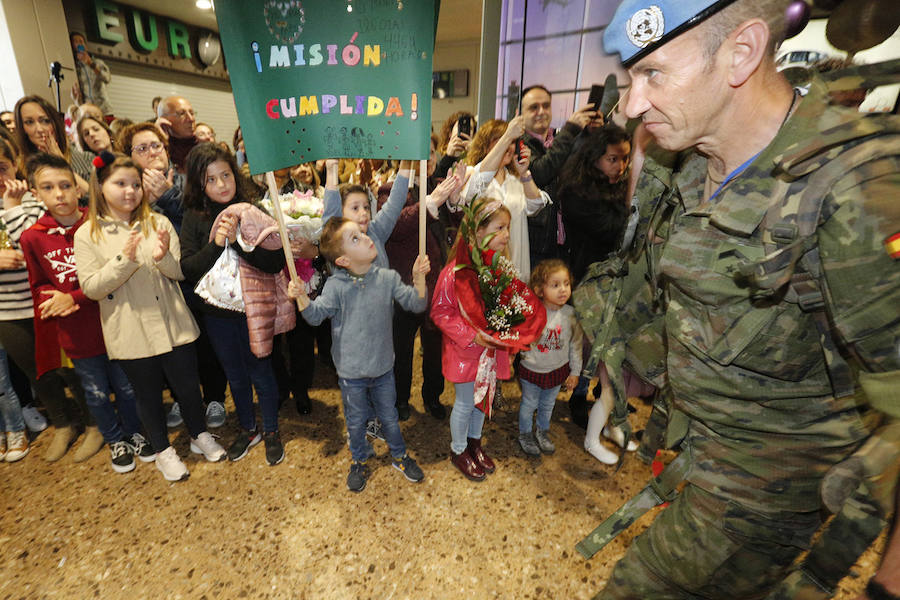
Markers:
(50, 258)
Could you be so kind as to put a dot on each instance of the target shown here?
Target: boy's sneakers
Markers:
(543, 441)
(359, 475)
(173, 419)
(141, 448)
(34, 420)
(215, 414)
(16, 445)
(242, 444)
(373, 429)
(528, 444)
(274, 448)
(409, 468)
(207, 446)
(170, 465)
(122, 458)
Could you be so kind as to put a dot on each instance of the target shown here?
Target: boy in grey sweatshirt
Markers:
(358, 298)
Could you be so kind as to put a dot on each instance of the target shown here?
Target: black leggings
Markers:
(147, 376)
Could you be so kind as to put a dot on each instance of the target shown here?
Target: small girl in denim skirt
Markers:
(552, 362)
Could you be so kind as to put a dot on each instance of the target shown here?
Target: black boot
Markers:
(579, 408)
(403, 410)
(436, 409)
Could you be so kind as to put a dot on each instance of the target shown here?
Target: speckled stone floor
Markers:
(247, 530)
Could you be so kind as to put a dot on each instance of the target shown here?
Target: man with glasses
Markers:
(176, 119)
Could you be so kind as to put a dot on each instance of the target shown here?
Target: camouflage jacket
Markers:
(749, 369)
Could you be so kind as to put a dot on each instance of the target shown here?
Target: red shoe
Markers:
(483, 460)
(467, 465)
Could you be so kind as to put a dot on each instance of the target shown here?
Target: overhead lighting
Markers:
(204, 4)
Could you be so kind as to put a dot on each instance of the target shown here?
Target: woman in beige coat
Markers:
(127, 259)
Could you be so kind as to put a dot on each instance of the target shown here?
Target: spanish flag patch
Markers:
(892, 245)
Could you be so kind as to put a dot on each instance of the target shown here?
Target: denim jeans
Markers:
(466, 421)
(356, 394)
(10, 410)
(231, 342)
(535, 398)
(100, 376)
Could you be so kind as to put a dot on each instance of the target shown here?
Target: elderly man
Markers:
(176, 119)
(773, 244)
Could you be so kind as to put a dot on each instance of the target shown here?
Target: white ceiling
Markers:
(459, 19)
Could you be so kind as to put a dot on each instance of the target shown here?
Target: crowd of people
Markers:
(751, 269)
(111, 224)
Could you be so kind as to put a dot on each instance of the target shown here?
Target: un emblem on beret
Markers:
(645, 26)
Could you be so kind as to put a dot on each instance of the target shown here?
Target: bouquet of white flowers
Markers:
(302, 214)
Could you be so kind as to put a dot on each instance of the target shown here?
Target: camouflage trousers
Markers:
(702, 546)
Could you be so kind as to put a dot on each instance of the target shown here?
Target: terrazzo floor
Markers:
(247, 530)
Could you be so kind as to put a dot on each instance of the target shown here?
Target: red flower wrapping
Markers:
(472, 304)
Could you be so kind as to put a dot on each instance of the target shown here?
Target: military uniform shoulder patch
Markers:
(645, 26)
(892, 245)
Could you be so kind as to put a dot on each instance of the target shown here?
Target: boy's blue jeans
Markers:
(536, 398)
(356, 394)
(100, 376)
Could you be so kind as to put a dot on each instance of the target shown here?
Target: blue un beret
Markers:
(641, 26)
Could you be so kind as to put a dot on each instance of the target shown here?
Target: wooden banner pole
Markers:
(423, 175)
(282, 229)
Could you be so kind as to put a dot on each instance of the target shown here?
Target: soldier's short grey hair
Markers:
(719, 26)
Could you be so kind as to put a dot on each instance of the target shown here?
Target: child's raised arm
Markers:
(383, 223)
(332, 200)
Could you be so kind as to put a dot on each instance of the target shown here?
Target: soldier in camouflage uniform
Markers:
(772, 245)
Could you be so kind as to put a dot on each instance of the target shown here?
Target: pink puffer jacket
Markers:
(459, 359)
(269, 309)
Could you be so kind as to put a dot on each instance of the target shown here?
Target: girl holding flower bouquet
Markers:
(485, 314)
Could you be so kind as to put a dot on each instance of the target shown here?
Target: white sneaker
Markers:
(618, 438)
(170, 465)
(206, 445)
(34, 420)
(215, 414)
(173, 419)
(607, 457)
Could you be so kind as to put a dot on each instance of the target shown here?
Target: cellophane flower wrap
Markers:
(493, 300)
(302, 214)
(303, 219)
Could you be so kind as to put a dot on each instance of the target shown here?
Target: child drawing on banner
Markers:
(553, 362)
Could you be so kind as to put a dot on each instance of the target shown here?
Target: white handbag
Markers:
(221, 285)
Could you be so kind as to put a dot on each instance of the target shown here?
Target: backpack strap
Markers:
(792, 267)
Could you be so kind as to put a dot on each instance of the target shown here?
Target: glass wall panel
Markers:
(547, 17)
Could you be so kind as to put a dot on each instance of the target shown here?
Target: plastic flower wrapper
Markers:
(302, 214)
(493, 300)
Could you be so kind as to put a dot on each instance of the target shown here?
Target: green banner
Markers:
(329, 78)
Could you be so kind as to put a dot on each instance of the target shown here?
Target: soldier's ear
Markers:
(747, 46)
